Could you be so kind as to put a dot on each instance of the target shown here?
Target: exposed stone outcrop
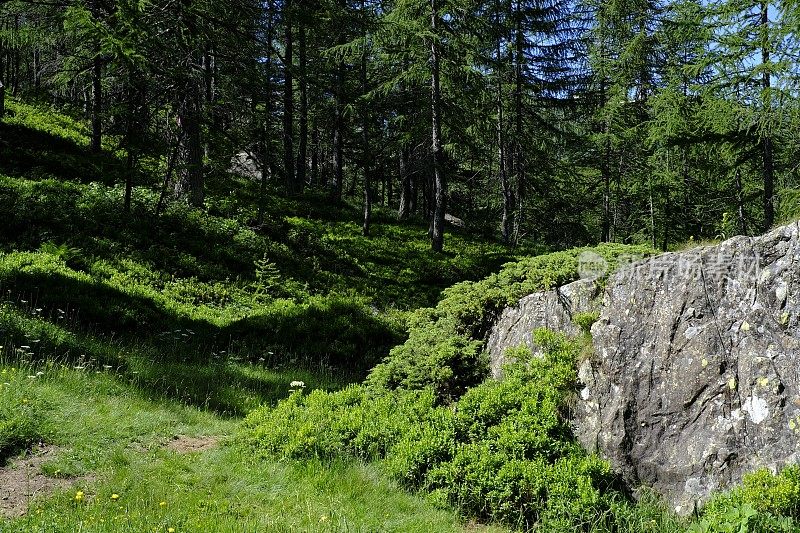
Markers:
(695, 377)
(246, 165)
(552, 309)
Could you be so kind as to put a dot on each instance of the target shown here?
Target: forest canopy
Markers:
(561, 122)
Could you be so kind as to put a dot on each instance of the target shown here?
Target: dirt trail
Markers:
(184, 444)
(22, 480)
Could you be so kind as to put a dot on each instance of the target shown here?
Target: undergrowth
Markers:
(502, 452)
(22, 421)
(444, 348)
(182, 286)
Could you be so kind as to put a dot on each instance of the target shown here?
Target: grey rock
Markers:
(695, 374)
(553, 309)
(695, 378)
(246, 165)
(454, 220)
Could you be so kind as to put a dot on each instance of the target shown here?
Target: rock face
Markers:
(695, 377)
(246, 165)
(552, 309)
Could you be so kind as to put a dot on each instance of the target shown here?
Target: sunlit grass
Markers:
(111, 439)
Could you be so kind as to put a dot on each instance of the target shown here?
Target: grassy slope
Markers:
(148, 326)
(109, 430)
(181, 289)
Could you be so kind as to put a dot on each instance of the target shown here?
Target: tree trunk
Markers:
(427, 200)
(506, 220)
(338, 119)
(97, 104)
(267, 161)
(405, 186)
(171, 162)
(209, 96)
(2, 78)
(190, 183)
(740, 202)
(302, 143)
(389, 187)
(315, 154)
(14, 61)
(37, 68)
(439, 180)
(288, 102)
(131, 131)
(605, 171)
(129, 166)
(519, 152)
(338, 135)
(366, 151)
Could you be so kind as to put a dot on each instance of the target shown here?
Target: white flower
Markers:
(296, 384)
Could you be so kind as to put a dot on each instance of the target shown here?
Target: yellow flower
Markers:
(79, 496)
(171, 530)
(115, 496)
(162, 504)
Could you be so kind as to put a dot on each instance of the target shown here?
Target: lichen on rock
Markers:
(694, 378)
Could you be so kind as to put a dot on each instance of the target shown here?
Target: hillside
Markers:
(83, 278)
(120, 331)
(173, 368)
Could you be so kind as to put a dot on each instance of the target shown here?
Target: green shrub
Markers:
(585, 320)
(776, 494)
(444, 347)
(502, 452)
(763, 503)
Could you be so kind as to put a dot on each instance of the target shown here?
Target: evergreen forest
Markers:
(251, 251)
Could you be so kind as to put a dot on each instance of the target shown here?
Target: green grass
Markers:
(120, 330)
(110, 431)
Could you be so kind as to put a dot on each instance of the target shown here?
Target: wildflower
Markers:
(162, 504)
(297, 384)
(171, 530)
(115, 496)
(79, 496)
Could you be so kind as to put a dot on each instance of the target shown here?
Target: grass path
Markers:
(117, 447)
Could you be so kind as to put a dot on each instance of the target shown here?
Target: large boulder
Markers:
(554, 309)
(695, 378)
(695, 374)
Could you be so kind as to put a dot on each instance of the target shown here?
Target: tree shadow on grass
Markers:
(36, 154)
(327, 342)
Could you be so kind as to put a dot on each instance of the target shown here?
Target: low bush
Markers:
(763, 503)
(443, 351)
(502, 452)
